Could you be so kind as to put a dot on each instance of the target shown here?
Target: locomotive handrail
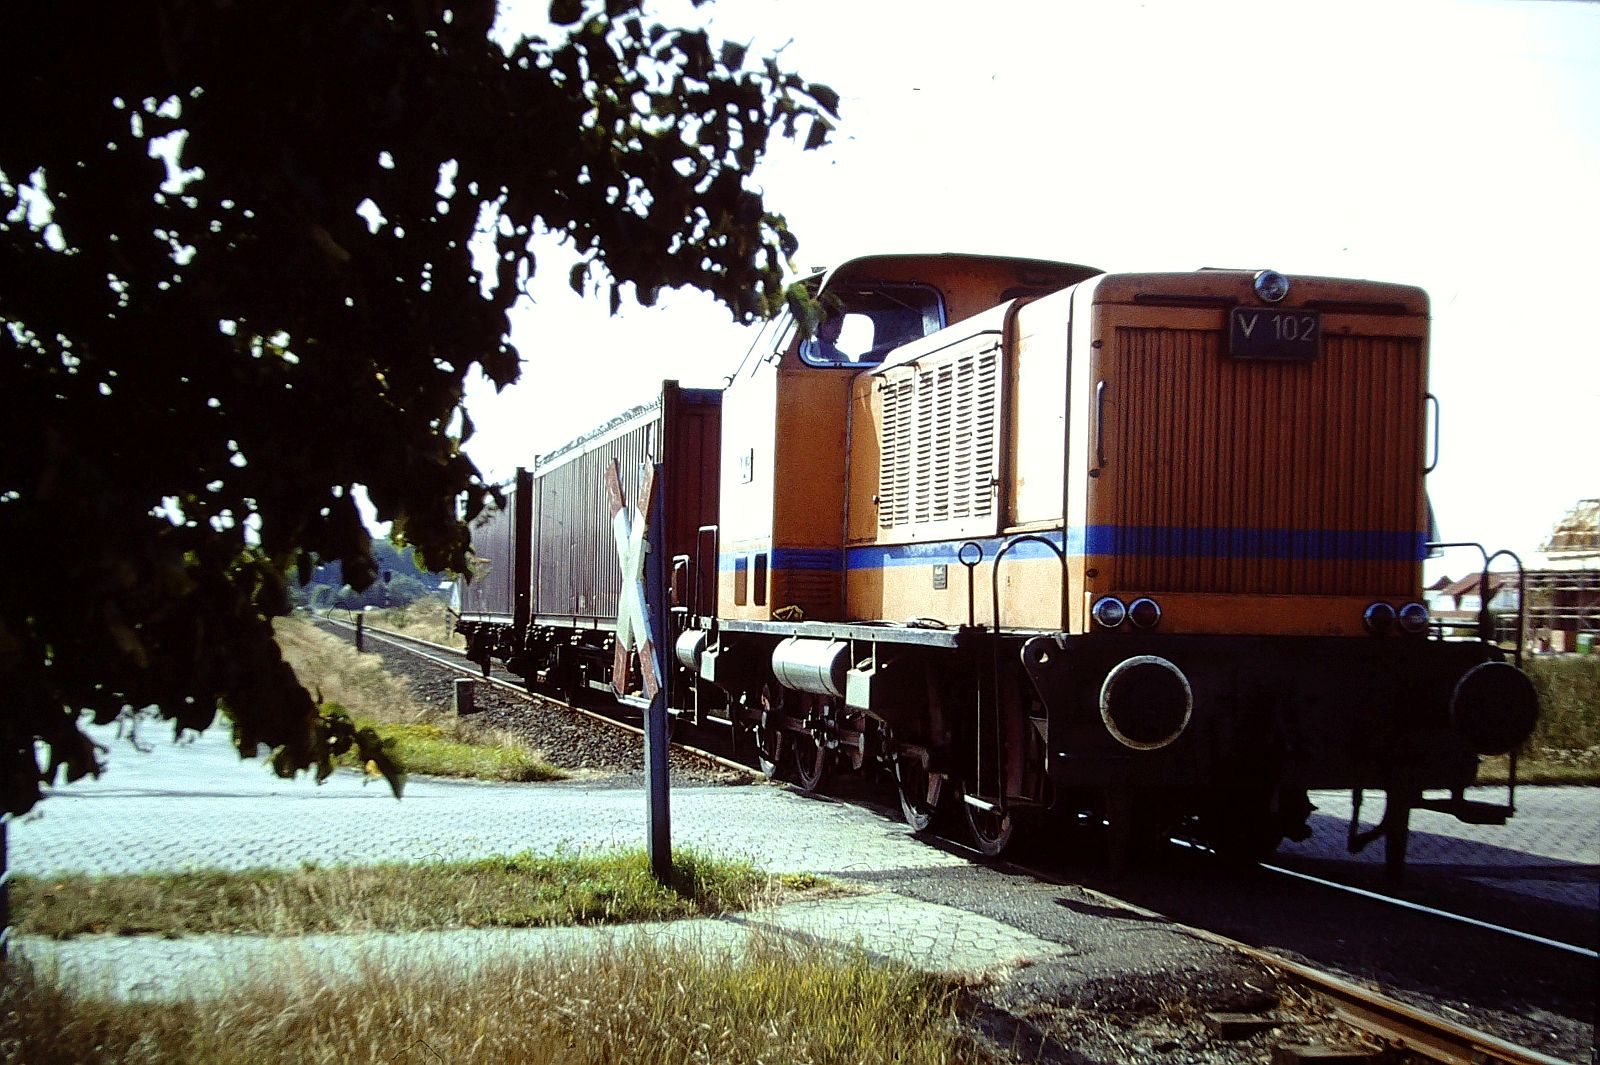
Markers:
(699, 565)
(1485, 618)
(994, 587)
(1486, 632)
(1433, 401)
(1100, 424)
(681, 563)
(972, 569)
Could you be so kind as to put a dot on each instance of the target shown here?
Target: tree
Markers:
(237, 280)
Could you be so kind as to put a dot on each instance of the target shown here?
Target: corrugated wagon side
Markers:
(552, 617)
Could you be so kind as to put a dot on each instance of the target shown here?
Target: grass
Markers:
(426, 619)
(429, 748)
(429, 739)
(523, 891)
(1565, 745)
(1569, 701)
(642, 1002)
(331, 670)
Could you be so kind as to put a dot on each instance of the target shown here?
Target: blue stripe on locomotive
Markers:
(1308, 545)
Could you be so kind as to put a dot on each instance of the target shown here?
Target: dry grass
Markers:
(522, 891)
(1546, 765)
(333, 672)
(428, 740)
(643, 1002)
(425, 619)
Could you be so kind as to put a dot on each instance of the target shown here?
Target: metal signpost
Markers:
(639, 533)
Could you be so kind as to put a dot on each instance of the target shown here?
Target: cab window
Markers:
(868, 322)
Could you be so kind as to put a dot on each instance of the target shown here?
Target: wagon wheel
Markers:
(919, 803)
(989, 830)
(810, 761)
(768, 733)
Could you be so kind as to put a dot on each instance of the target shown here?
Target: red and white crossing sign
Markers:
(634, 631)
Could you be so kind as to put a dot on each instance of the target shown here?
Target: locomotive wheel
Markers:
(920, 810)
(810, 761)
(988, 830)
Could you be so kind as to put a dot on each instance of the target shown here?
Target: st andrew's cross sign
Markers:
(634, 631)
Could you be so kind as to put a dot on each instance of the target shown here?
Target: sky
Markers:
(1452, 145)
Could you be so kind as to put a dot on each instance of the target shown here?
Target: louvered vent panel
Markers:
(1267, 478)
(938, 450)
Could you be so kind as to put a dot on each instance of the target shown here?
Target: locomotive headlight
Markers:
(1414, 619)
(1109, 612)
(1145, 613)
(1271, 286)
(1379, 618)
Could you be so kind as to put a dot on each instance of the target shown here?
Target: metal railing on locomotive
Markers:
(690, 616)
(999, 791)
(1397, 808)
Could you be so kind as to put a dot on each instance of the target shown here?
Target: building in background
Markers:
(1562, 608)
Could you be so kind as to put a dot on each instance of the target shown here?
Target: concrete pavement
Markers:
(194, 804)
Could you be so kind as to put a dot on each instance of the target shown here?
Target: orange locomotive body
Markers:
(1144, 546)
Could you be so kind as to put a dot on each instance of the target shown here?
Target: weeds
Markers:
(483, 754)
(521, 891)
(1565, 745)
(642, 1001)
(1569, 701)
(426, 619)
(428, 739)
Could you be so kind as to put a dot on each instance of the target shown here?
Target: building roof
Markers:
(1469, 585)
(1577, 533)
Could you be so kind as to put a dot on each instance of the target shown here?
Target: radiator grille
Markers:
(1268, 478)
(936, 460)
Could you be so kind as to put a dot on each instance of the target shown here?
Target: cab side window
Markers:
(872, 321)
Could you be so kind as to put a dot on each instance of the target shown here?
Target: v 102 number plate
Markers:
(1270, 333)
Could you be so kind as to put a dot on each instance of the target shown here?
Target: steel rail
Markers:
(1390, 1020)
(473, 670)
(1417, 907)
(1407, 904)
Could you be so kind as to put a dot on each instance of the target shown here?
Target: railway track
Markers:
(1420, 1031)
(454, 659)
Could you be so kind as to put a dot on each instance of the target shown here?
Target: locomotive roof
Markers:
(1042, 271)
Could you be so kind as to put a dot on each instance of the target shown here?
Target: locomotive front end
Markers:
(1246, 455)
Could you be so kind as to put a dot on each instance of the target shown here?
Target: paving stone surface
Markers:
(195, 804)
(1550, 849)
(191, 804)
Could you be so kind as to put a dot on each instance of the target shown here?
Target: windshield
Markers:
(868, 322)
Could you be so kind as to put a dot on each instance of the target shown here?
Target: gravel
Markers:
(592, 751)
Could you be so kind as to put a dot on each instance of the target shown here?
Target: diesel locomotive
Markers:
(1032, 539)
